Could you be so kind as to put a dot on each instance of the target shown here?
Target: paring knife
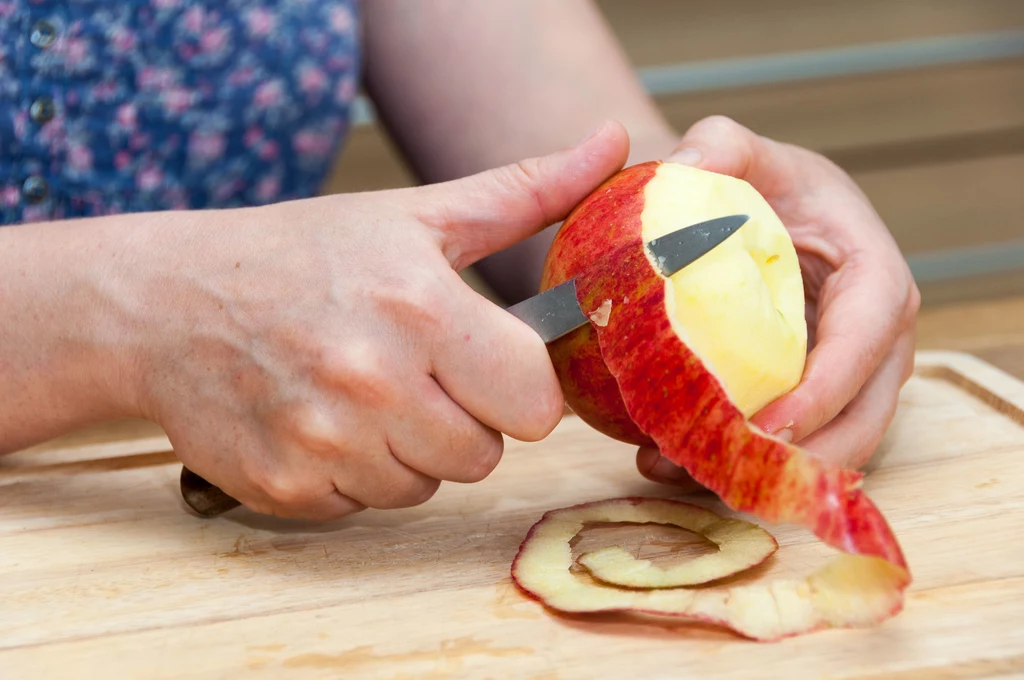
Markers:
(552, 314)
(556, 311)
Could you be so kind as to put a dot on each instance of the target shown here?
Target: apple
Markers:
(683, 362)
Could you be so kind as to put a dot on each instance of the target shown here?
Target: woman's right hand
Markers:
(316, 357)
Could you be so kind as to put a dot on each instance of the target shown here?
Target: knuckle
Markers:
(327, 512)
(546, 411)
(908, 370)
(314, 430)
(284, 490)
(406, 493)
(913, 305)
(415, 299)
(539, 402)
(360, 370)
(524, 177)
(861, 455)
(482, 458)
(718, 123)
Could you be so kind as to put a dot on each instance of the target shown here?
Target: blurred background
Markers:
(922, 101)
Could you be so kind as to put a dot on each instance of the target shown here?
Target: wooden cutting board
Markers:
(104, 574)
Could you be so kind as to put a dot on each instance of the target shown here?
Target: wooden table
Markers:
(103, 574)
(992, 330)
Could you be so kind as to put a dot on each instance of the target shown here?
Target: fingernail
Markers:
(667, 470)
(785, 435)
(688, 156)
(594, 132)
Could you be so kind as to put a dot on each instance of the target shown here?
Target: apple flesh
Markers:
(741, 545)
(843, 593)
(682, 363)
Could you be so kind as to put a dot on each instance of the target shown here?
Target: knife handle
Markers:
(205, 499)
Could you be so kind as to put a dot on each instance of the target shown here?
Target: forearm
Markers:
(67, 325)
(468, 86)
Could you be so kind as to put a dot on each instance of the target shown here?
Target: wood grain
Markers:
(102, 573)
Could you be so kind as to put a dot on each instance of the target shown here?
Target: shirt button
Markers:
(43, 34)
(42, 110)
(35, 190)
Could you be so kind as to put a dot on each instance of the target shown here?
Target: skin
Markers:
(298, 370)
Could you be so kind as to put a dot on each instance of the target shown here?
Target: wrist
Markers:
(72, 325)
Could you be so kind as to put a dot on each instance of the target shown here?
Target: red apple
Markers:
(682, 363)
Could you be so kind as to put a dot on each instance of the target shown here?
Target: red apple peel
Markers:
(842, 593)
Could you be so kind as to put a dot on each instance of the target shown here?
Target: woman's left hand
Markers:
(862, 301)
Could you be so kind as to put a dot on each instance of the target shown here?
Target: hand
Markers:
(317, 357)
(862, 301)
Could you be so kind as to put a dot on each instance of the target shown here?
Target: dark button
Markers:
(42, 110)
(43, 34)
(35, 190)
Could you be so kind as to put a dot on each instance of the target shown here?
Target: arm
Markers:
(67, 326)
(465, 86)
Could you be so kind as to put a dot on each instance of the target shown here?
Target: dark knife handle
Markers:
(205, 499)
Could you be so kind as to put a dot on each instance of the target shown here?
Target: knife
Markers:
(556, 311)
(552, 314)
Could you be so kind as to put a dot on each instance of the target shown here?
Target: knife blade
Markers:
(556, 311)
(551, 314)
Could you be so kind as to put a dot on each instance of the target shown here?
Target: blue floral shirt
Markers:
(138, 105)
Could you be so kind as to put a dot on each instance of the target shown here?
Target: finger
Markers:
(377, 479)
(323, 509)
(490, 211)
(654, 467)
(274, 492)
(863, 307)
(719, 144)
(852, 438)
(497, 369)
(436, 436)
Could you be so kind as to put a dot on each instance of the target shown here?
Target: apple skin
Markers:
(851, 591)
(635, 380)
(607, 220)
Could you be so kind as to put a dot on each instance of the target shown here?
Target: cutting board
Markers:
(103, 574)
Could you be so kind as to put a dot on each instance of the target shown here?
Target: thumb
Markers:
(479, 215)
(720, 144)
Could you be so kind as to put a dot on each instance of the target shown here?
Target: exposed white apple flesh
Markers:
(741, 545)
(740, 308)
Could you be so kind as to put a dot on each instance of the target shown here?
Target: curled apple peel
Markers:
(842, 593)
(741, 545)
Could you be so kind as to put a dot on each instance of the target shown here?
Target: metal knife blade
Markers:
(556, 312)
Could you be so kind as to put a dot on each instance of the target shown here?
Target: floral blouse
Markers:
(144, 105)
